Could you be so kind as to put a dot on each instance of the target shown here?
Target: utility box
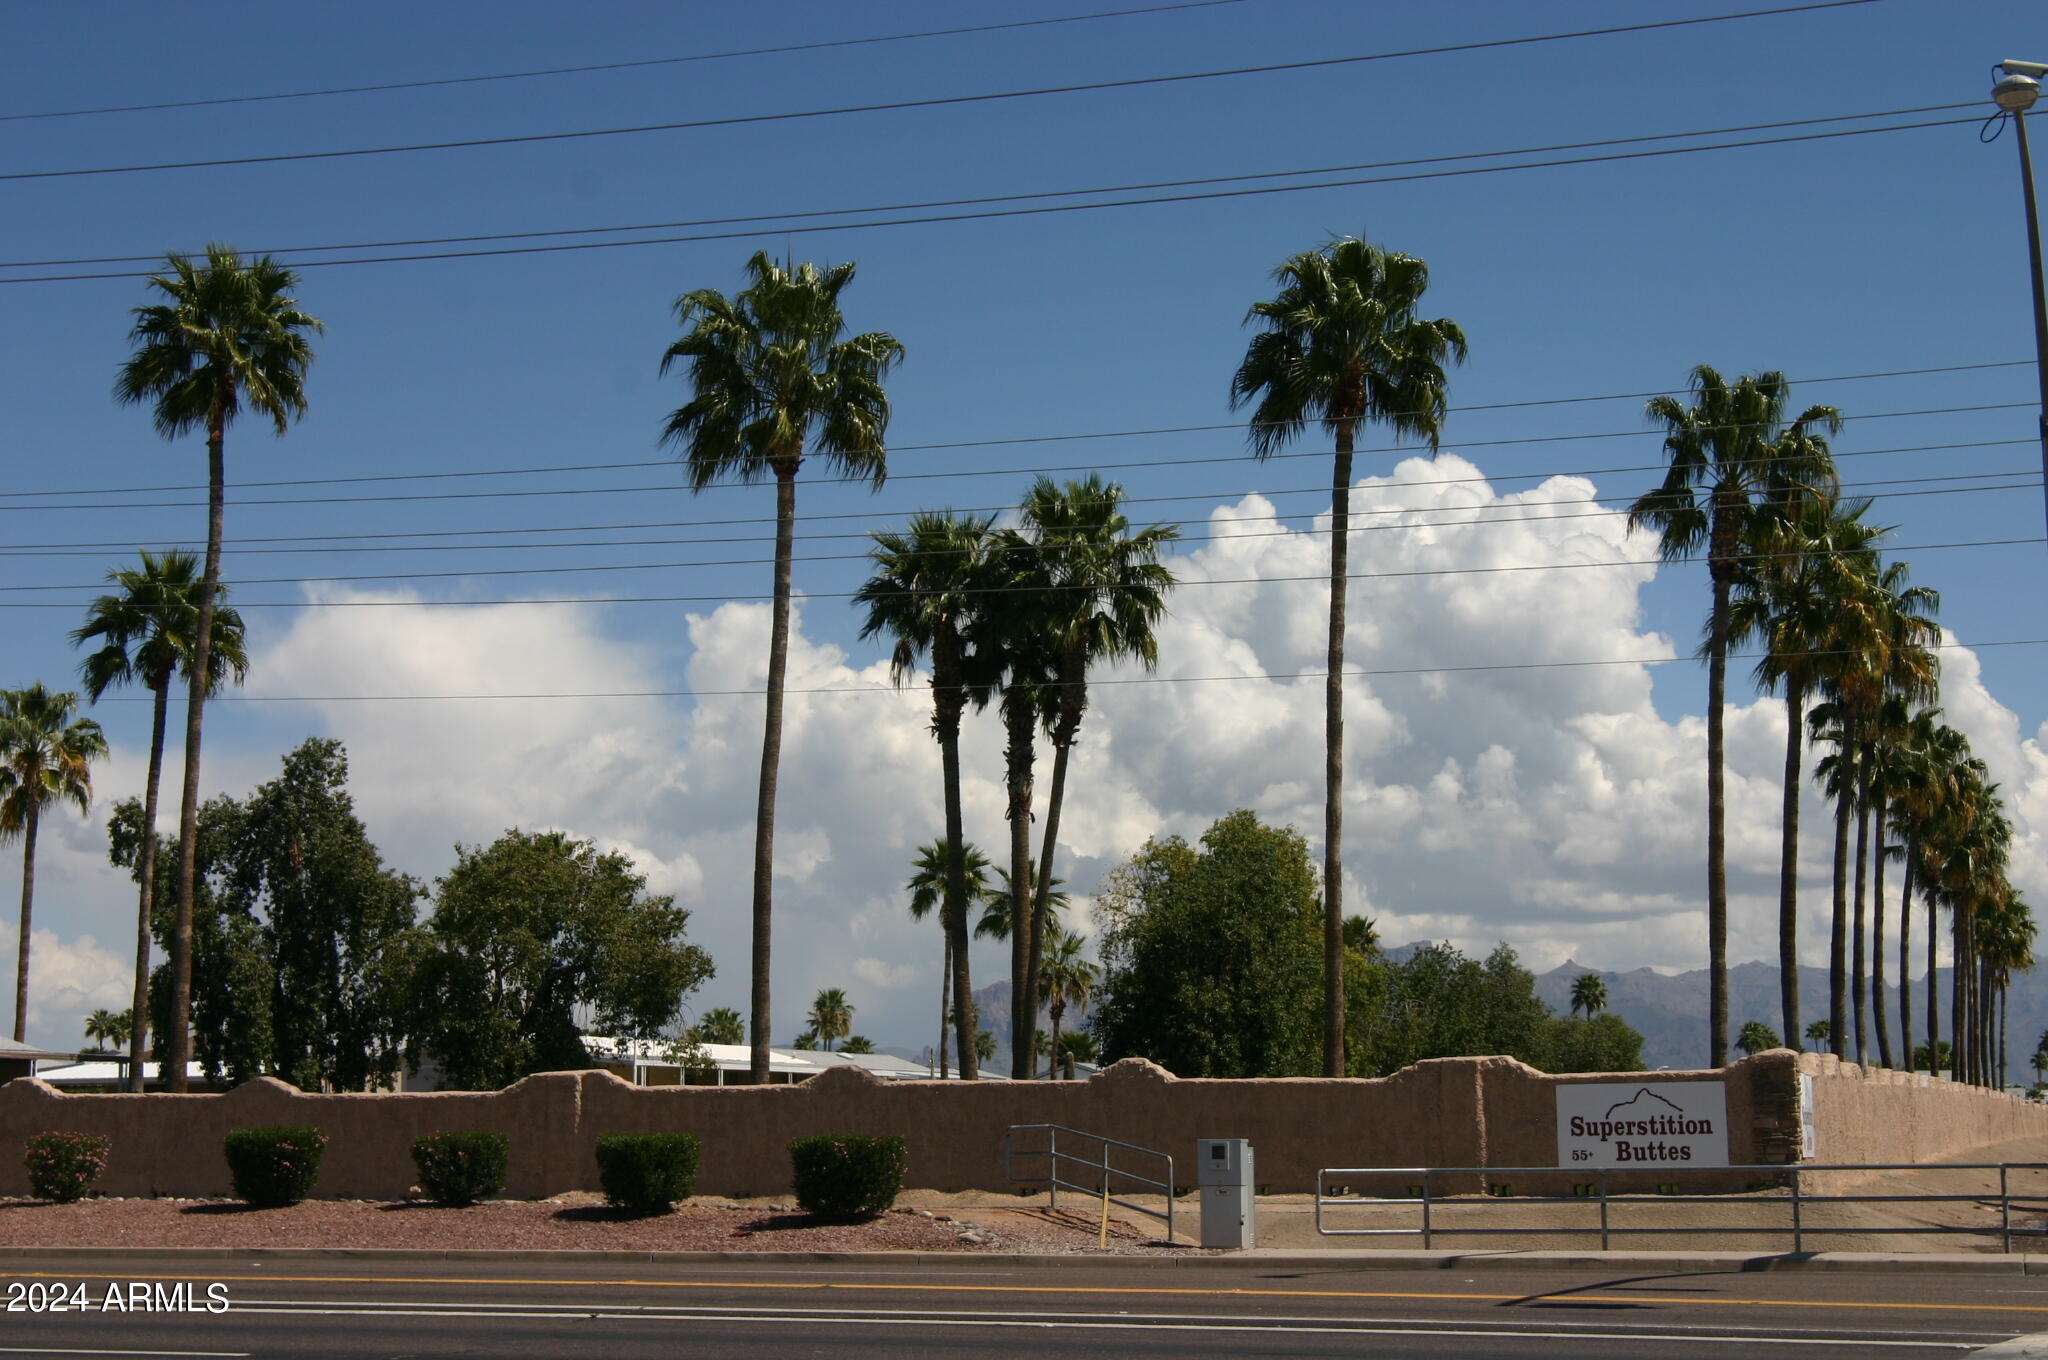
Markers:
(1223, 1169)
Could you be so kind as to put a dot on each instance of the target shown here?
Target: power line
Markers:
(1143, 186)
(994, 443)
(610, 65)
(1018, 590)
(99, 549)
(1131, 82)
(787, 230)
(644, 488)
(1091, 682)
(1516, 514)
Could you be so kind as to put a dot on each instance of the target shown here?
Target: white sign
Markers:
(1642, 1124)
(1809, 1132)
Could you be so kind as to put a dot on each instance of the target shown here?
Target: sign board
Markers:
(1809, 1133)
(1642, 1124)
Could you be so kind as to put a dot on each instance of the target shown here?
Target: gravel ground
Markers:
(572, 1222)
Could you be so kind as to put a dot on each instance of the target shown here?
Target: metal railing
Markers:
(1101, 1167)
(1424, 1195)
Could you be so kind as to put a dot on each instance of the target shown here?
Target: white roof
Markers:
(107, 1073)
(729, 1057)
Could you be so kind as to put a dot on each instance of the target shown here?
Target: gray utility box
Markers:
(1223, 1168)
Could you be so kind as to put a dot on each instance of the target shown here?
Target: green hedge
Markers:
(646, 1173)
(848, 1177)
(64, 1167)
(275, 1166)
(462, 1166)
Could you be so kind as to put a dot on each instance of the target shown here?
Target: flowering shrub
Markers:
(64, 1167)
(273, 1167)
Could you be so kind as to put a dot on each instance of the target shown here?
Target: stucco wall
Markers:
(1453, 1112)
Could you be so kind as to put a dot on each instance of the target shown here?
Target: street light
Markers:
(2015, 93)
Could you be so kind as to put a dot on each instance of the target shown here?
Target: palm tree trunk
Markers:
(1072, 703)
(1020, 718)
(1933, 996)
(945, 994)
(1052, 1057)
(1906, 955)
(1877, 1003)
(1838, 939)
(1721, 566)
(1958, 991)
(771, 761)
(947, 701)
(1788, 867)
(1862, 796)
(177, 1045)
(138, 1035)
(1333, 761)
(31, 814)
(2002, 995)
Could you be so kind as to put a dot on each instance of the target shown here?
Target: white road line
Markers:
(183, 1355)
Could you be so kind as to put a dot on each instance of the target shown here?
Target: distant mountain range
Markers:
(1668, 1009)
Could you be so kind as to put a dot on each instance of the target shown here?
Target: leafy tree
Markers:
(531, 931)
(1067, 978)
(1598, 1043)
(831, 1017)
(226, 335)
(304, 939)
(721, 1025)
(146, 633)
(857, 1043)
(771, 381)
(46, 757)
(1729, 450)
(929, 886)
(1755, 1037)
(1210, 955)
(1107, 592)
(1589, 995)
(1343, 344)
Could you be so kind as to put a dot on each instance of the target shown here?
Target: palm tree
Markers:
(45, 757)
(1076, 1045)
(984, 1045)
(1068, 978)
(1756, 1036)
(1108, 592)
(1589, 995)
(929, 886)
(999, 903)
(104, 1027)
(229, 333)
(1819, 1032)
(146, 632)
(1806, 555)
(1728, 450)
(1343, 345)
(1013, 651)
(771, 381)
(922, 595)
(857, 1043)
(831, 1016)
(721, 1025)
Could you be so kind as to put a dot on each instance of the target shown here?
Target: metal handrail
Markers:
(1100, 1164)
(1791, 1172)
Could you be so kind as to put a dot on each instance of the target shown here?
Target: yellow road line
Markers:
(1037, 1289)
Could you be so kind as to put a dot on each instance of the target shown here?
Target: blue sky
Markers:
(1853, 255)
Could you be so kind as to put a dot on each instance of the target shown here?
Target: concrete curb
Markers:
(1257, 1259)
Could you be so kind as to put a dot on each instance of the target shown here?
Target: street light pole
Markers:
(2016, 93)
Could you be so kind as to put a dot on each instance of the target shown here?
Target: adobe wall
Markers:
(1451, 1112)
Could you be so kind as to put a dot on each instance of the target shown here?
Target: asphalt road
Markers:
(350, 1307)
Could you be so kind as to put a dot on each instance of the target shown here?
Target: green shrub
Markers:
(847, 1176)
(460, 1167)
(646, 1173)
(64, 1167)
(273, 1167)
